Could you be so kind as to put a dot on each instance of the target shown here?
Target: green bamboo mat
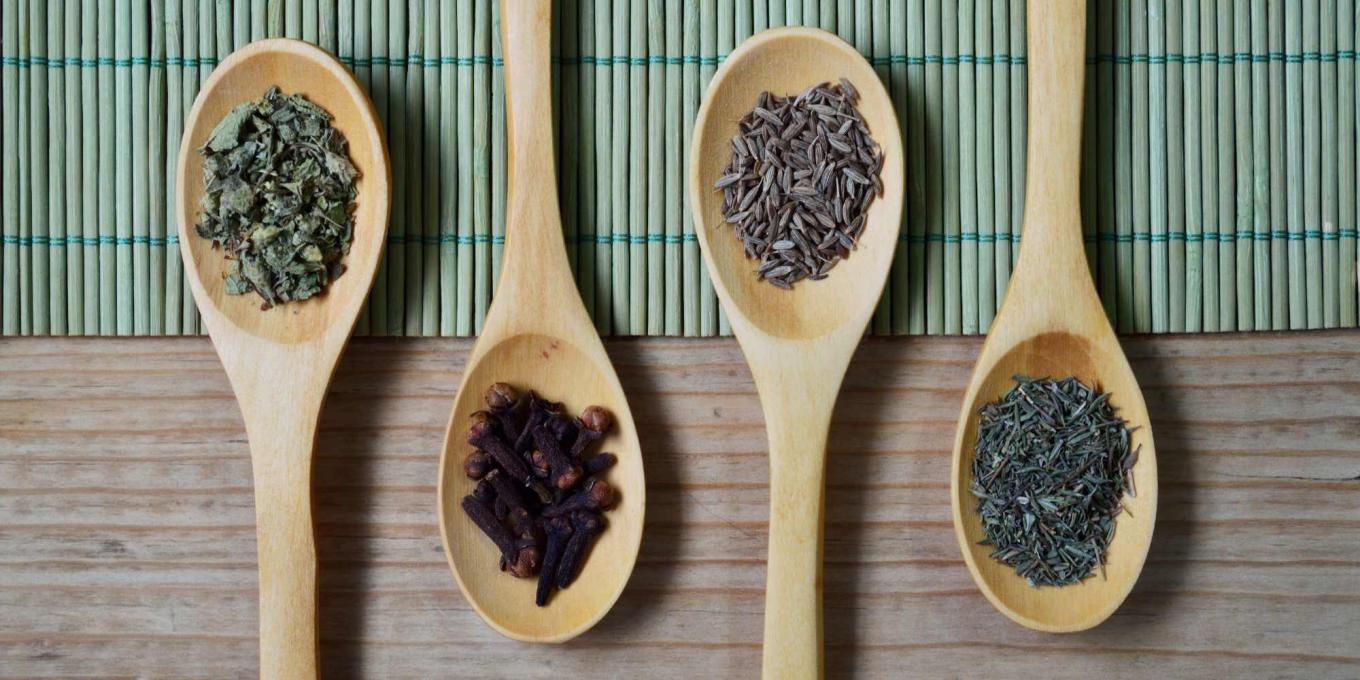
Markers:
(1219, 178)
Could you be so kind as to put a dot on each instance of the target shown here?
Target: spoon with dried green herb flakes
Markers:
(278, 197)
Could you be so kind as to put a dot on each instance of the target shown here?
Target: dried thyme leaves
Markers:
(539, 497)
(1051, 465)
(279, 197)
(802, 175)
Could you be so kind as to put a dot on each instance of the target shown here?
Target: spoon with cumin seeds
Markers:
(798, 342)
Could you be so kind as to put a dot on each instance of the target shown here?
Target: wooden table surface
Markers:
(127, 545)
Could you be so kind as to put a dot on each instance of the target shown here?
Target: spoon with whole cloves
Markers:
(538, 336)
(1051, 323)
(798, 342)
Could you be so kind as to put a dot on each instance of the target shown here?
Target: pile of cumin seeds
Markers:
(797, 189)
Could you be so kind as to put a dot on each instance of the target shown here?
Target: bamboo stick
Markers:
(656, 157)
(911, 98)
(637, 163)
(618, 177)
(968, 168)
(953, 281)
(778, 13)
(25, 198)
(691, 90)
(793, 12)
(141, 210)
(1002, 73)
(173, 312)
(1280, 208)
(466, 179)
(1141, 293)
(760, 15)
(431, 249)
(122, 54)
(89, 192)
(449, 180)
(258, 18)
(708, 44)
(1123, 168)
(414, 103)
(481, 162)
(1312, 168)
(362, 53)
(9, 114)
(398, 125)
(292, 18)
(725, 43)
(1226, 148)
(327, 28)
(826, 14)
(1346, 179)
(1213, 222)
(845, 19)
(1195, 221)
(604, 167)
(1243, 240)
(986, 230)
(1294, 144)
(674, 173)
(309, 21)
(56, 169)
(1260, 166)
(156, 163)
(897, 27)
(1327, 157)
(1157, 168)
(40, 228)
(1175, 167)
(74, 207)
(379, 77)
(933, 120)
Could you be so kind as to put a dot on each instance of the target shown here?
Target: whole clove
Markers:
(596, 495)
(476, 465)
(538, 494)
(585, 527)
(559, 535)
(484, 436)
(565, 473)
(599, 463)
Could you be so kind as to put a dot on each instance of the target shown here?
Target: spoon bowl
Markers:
(1052, 324)
(786, 61)
(295, 67)
(799, 342)
(538, 336)
(280, 361)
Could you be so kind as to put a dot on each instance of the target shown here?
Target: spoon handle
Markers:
(281, 426)
(535, 274)
(1056, 64)
(797, 418)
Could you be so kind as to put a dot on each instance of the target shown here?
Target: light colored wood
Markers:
(538, 336)
(798, 342)
(280, 361)
(1052, 324)
(127, 538)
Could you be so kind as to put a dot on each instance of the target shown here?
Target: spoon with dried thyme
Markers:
(799, 341)
(280, 362)
(1029, 443)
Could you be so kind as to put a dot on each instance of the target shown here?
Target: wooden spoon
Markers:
(1052, 324)
(538, 336)
(798, 342)
(280, 361)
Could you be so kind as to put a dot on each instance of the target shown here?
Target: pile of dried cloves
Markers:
(538, 496)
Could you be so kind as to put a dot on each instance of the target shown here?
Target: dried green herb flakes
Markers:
(279, 197)
(1051, 465)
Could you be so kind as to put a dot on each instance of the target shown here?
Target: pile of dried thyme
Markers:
(278, 197)
(538, 496)
(1051, 465)
(802, 175)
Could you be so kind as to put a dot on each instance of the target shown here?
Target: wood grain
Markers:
(127, 542)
